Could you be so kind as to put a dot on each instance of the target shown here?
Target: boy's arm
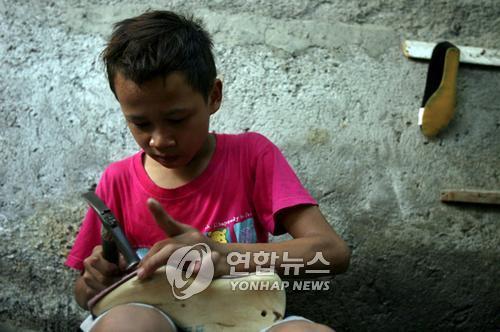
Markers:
(312, 235)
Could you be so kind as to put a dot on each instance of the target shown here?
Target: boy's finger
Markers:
(149, 265)
(122, 263)
(154, 249)
(98, 261)
(168, 225)
(104, 267)
(95, 279)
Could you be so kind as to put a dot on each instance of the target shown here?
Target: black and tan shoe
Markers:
(438, 105)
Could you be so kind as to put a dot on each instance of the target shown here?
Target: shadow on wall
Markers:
(414, 290)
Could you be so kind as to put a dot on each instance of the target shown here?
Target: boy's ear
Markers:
(215, 96)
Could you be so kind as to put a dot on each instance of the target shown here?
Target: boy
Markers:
(228, 191)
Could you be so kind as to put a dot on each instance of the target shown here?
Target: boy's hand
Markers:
(180, 235)
(99, 273)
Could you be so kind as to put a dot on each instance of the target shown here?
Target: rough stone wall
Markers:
(327, 82)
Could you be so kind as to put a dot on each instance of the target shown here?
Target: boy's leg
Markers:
(134, 317)
(297, 324)
(300, 326)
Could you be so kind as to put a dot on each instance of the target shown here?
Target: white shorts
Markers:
(287, 319)
(89, 322)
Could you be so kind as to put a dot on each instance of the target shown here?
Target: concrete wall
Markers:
(327, 82)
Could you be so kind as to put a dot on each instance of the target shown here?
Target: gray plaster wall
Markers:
(327, 82)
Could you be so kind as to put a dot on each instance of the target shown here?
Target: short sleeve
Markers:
(276, 187)
(89, 234)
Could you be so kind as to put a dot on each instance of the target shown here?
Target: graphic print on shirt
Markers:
(240, 228)
(245, 231)
(221, 235)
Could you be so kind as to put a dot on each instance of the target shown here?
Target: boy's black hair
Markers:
(158, 43)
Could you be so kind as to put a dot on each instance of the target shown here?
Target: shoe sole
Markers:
(217, 308)
(440, 107)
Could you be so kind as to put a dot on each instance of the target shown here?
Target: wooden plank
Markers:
(468, 54)
(471, 196)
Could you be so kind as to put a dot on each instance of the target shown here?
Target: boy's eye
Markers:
(177, 120)
(141, 125)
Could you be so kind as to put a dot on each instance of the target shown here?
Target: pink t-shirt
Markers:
(235, 199)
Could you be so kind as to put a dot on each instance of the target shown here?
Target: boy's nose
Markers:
(161, 142)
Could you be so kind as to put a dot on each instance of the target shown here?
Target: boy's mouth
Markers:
(166, 159)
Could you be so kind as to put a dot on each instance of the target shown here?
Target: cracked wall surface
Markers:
(327, 82)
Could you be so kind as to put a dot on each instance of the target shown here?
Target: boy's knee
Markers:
(300, 326)
(125, 318)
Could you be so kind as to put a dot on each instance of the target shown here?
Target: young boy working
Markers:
(187, 185)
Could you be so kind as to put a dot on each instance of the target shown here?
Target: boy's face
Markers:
(168, 119)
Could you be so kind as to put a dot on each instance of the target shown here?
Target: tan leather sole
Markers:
(217, 308)
(440, 107)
